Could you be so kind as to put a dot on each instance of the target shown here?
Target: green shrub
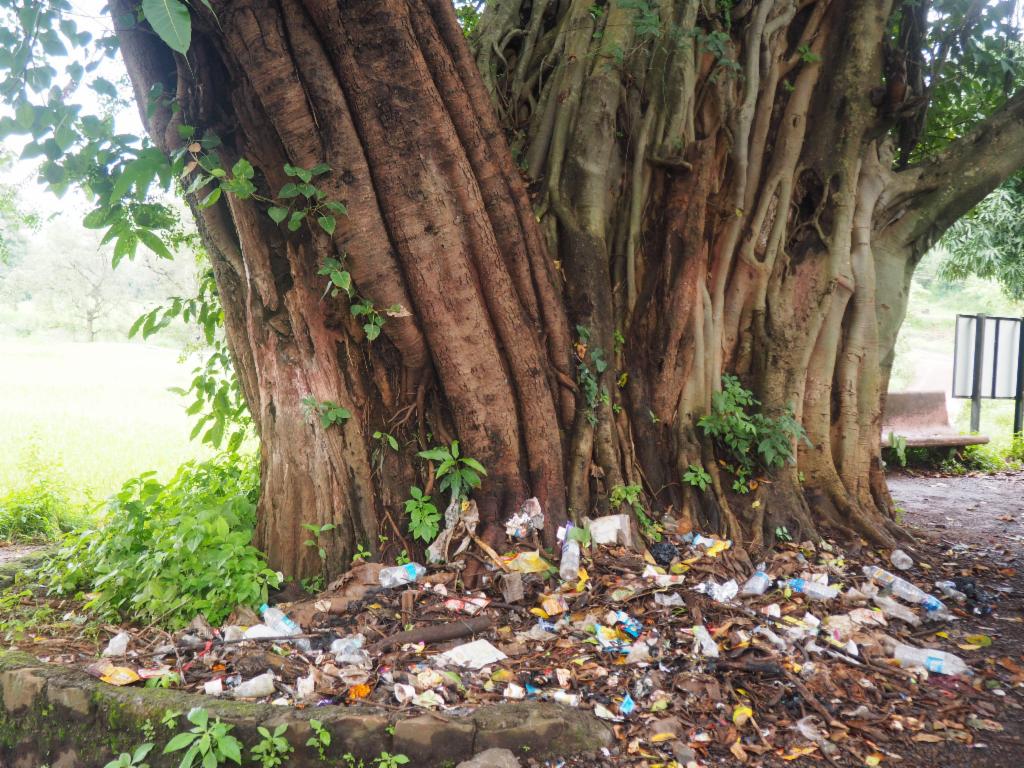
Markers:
(749, 440)
(168, 552)
(975, 458)
(40, 509)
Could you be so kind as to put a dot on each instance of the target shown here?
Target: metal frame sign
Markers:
(988, 362)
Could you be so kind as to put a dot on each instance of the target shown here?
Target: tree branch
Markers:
(924, 200)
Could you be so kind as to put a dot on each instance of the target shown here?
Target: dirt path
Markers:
(978, 507)
(11, 552)
(975, 524)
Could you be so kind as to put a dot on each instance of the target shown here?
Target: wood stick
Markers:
(436, 634)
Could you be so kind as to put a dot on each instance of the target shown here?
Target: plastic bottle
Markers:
(569, 567)
(811, 589)
(758, 583)
(279, 622)
(401, 574)
(901, 560)
(905, 590)
(257, 687)
(896, 610)
(948, 588)
(931, 659)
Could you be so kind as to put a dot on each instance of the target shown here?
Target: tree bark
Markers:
(709, 193)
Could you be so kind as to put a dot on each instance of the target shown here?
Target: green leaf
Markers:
(296, 220)
(25, 114)
(243, 168)
(319, 168)
(327, 224)
(435, 454)
(141, 751)
(154, 244)
(171, 22)
(474, 464)
(180, 741)
(342, 279)
(372, 331)
(231, 749)
(198, 716)
(211, 198)
(277, 213)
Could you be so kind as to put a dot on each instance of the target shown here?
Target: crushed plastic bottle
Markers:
(569, 566)
(398, 575)
(812, 589)
(282, 625)
(257, 687)
(758, 583)
(904, 590)
(901, 560)
(893, 609)
(933, 660)
(948, 588)
(771, 637)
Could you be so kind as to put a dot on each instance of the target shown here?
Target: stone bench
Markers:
(922, 420)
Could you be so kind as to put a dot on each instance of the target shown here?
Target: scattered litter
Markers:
(810, 653)
(529, 518)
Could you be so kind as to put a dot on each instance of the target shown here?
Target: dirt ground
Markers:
(976, 522)
(11, 552)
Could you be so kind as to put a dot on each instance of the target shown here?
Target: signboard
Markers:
(988, 362)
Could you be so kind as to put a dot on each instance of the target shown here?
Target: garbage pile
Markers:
(684, 646)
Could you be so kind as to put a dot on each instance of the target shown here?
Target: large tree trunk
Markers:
(707, 197)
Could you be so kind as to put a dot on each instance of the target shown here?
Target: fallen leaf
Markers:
(741, 715)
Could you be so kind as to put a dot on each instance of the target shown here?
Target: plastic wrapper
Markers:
(703, 643)
(474, 655)
(527, 562)
(460, 520)
(720, 593)
(468, 605)
(118, 645)
(611, 530)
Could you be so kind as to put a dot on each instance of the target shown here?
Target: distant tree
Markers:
(14, 220)
(66, 272)
(989, 240)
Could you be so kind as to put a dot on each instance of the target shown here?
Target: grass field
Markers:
(100, 410)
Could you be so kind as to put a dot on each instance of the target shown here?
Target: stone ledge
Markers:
(60, 716)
